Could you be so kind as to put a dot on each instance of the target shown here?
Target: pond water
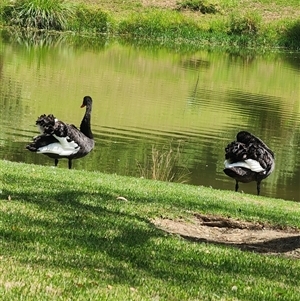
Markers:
(149, 99)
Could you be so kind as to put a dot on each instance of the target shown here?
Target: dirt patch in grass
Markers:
(247, 236)
(171, 4)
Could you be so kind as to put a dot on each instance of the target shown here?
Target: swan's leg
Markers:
(70, 163)
(236, 185)
(56, 162)
(258, 187)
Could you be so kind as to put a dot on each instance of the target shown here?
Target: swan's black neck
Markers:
(85, 126)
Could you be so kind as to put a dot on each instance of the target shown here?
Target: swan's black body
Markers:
(248, 159)
(61, 140)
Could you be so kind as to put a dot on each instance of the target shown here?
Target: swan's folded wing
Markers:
(61, 146)
(248, 163)
(56, 148)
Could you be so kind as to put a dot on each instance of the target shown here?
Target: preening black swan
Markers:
(248, 159)
(61, 140)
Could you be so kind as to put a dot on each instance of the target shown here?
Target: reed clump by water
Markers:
(38, 14)
(58, 15)
(164, 165)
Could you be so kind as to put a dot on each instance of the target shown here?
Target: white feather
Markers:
(61, 148)
(40, 128)
(67, 144)
(54, 148)
(248, 163)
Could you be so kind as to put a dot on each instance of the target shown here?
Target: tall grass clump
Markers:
(39, 14)
(3, 5)
(90, 19)
(291, 37)
(248, 24)
(164, 165)
(204, 6)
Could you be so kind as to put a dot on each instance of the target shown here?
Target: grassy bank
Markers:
(77, 235)
(198, 23)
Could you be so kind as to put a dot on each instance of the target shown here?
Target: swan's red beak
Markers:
(82, 106)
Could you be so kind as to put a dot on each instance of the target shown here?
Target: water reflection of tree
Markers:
(11, 112)
(11, 107)
(1, 65)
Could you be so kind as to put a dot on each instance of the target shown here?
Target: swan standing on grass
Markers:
(248, 159)
(61, 140)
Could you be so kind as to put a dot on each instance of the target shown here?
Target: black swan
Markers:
(248, 159)
(61, 140)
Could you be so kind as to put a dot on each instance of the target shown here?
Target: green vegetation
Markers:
(244, 25)
(229, 23)
(57, 15)
(91, 20)
(38, 14)
(67, 235)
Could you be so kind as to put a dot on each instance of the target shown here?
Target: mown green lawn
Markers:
(65, 235)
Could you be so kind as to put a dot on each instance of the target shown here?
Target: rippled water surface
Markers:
(148, 100)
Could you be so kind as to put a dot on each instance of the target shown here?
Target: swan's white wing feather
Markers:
(65, 143)
(254, 165)
(56, 148)
(61, 148)
(248, 163)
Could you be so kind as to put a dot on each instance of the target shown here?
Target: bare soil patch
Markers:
(171, 4)
(247, 236)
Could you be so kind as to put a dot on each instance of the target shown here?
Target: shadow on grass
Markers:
(277, 245)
